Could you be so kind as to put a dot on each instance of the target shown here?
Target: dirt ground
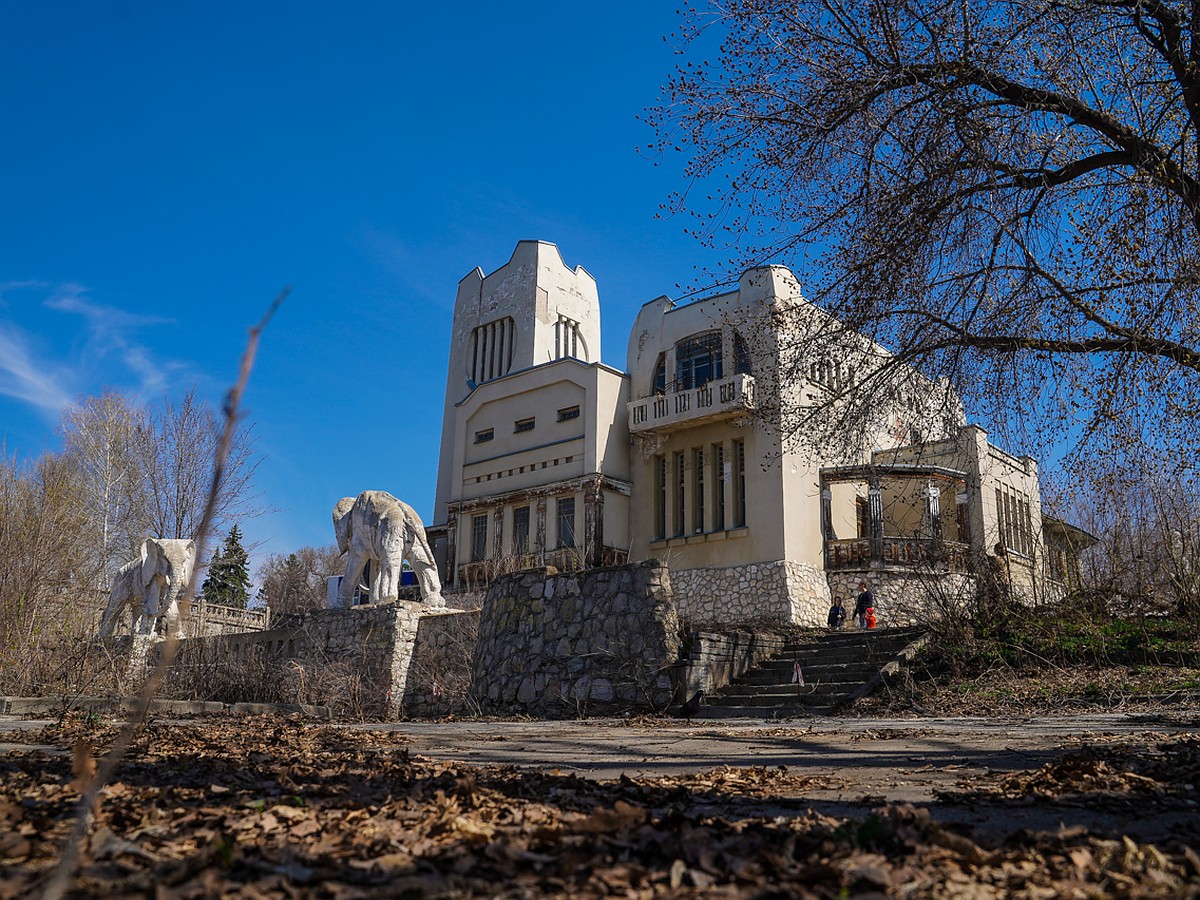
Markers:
(855, 765)
(271, 806)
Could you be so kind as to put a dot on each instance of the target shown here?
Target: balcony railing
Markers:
(858, 553)
(567, 559)
(719, 399)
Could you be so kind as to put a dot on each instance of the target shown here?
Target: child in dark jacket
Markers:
(837, 614)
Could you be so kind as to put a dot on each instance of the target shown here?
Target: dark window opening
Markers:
(698, 360)
(741, 355)
(566, 521)
(479, 537)
(520, 530)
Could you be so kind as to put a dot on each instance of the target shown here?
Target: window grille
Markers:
(698, 360)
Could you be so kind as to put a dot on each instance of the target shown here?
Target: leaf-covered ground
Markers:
(283, 808)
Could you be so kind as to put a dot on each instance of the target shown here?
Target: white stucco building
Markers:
(534, 462)
(550, 457)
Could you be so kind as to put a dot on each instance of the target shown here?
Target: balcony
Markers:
(913, 553)
(721, 399)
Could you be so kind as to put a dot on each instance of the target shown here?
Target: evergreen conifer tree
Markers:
(228, 580)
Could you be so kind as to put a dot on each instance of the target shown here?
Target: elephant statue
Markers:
(152, 585)
(376, 527)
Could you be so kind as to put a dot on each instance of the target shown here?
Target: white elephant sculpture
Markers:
(152, 585)
(376, 527)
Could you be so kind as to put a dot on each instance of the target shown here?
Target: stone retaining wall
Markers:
(359, 657)
(905, 597)
(439, 671)
(588, 642)
(766, 593)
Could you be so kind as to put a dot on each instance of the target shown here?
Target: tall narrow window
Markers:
(698, 360)
(520, 536)
(680, 495)
(1001, 525)
(565, 512)
(739, 484)
(718, 486)
(660, 374)
(660, 507)
(567, 340)
(741, 355)
(491, 350)
(698, 484)
(479, 537)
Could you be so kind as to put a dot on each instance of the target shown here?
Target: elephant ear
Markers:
(150, 556)
(341, 522)
(189, 559)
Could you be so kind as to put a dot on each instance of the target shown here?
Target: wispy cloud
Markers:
(112, 334)
(105, 352)
(26, 377)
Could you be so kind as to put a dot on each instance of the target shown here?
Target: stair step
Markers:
(835, 666)
(776, 690)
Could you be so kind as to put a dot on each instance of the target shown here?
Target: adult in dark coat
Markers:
(865, 601)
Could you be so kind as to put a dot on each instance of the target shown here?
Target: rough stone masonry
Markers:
(567, 644)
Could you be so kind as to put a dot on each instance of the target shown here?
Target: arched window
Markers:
(491, 350)
(741, 355)
(698, 360)
(660, 375)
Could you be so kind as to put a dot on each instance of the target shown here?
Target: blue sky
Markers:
(168, 167)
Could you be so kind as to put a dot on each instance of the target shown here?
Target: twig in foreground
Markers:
(61, 877)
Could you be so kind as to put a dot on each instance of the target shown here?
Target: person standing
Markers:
(837, 614)
(865, 600)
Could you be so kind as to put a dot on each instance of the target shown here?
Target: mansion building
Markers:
(550, 457)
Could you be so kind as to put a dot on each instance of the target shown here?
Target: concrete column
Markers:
(498, 532)
(826, 521)
(539, 539)
(593, 524)
(875, 512)
(451, 548)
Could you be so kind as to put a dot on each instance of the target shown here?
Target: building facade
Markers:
(550, 457)
(534, 462)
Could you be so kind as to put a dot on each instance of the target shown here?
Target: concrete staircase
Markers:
(838, 668)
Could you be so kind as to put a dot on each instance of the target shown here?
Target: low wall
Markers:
(208, 619)
(766, 593)
(438, 682)
(715, 659)
(592, 641)
(360, 657)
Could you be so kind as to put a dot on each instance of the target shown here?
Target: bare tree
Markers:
(1004, 193)
(101, 440)
(1148, 559)
(296, 583)
(43, 562)
(177, 445)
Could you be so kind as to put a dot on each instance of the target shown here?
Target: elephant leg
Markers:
(420, 556)
(149, 608)
(171, 620)
(386, 586)
(116, 604)
(356, 561)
